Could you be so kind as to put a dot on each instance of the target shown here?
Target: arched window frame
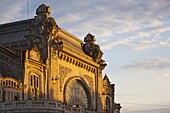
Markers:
(108, 104)
(84, 84)
(34, 88)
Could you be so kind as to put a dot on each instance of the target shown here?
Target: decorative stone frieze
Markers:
(63, 71)
(36, 54)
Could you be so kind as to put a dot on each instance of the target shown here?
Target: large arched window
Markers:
(35, 81)
(107, 105)
(76, 94)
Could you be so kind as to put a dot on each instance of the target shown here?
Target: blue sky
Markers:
(134, 36)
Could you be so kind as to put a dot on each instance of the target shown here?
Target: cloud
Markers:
(161, 110)
(11, 10)
(165, 75)
(70, 18)
(115, 43)
(149, 65)
(164, 44)
(145, 39)
(144, 44)
(138, 25)
(113, 21)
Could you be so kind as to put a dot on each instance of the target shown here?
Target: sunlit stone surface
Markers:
(44, 69)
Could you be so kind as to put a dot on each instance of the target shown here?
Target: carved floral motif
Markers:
(63, 71)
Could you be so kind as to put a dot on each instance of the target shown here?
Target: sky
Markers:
(134, 36)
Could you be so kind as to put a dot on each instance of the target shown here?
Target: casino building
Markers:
(45, 69)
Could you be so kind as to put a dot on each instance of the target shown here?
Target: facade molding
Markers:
(43, 69)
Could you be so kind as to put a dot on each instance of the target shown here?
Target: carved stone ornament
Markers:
(106, 81)
(63, 71)
(42, 28)
(34, 54)
(90, 81)
(93, 50)
(57, 44)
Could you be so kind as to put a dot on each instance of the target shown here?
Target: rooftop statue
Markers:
(93, 50)
(43, 27)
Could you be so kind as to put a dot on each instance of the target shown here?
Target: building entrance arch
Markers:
(77, 93)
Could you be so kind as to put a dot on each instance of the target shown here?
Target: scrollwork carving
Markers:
(63, 71)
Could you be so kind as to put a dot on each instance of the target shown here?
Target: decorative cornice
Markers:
(77, 62)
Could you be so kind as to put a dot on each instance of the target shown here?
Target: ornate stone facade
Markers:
(46, 69)
(63, 71)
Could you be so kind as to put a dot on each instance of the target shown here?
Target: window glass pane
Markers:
(34, 81)
(31, 80)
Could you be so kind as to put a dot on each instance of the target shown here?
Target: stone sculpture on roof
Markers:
(43, 69)
(42, 29)
(93, 50)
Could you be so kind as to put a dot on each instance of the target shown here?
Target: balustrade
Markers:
(30, 106)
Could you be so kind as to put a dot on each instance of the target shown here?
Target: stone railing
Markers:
(31, 106)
